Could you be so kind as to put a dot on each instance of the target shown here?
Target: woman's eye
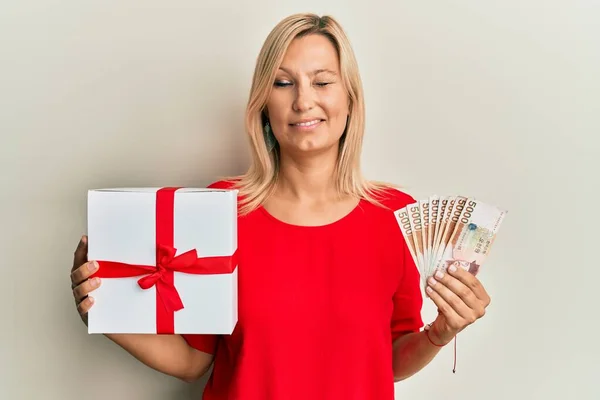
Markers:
(287, 83)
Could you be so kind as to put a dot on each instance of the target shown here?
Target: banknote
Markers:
(403, 221)
(424, 206)
(442, 235)
(442, 209)
(441, 230)
(414, 216)
(434, 203)
(473, 235)
(455, 212)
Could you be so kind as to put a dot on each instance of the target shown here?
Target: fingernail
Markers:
(92, 265)
(90, 300)
(439, 274)
(432, 281)
(83, 239)
(429, 289)
(452, 268)
(95, 282)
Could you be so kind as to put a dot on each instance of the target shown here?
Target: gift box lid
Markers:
(155, 189)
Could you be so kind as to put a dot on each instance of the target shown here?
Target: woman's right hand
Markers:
(80, 282)
(169, 354)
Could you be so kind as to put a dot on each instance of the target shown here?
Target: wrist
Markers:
(438, 336)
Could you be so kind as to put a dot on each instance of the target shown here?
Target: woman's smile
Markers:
(306, 125)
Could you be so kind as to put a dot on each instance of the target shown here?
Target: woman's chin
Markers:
(310, 147)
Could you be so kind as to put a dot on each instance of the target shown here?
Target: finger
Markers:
(81, 291)
(452, 299)
(455, 321)
(84, 306)
(82, 273)
(80, 254)
(469, 280)
(459, 288)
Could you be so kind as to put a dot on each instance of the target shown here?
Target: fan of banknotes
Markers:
(441, 230)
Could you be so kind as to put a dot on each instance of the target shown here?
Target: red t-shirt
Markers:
(318, 308)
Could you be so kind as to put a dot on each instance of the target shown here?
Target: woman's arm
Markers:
(461, 300)
(413, 351)
(169, 354)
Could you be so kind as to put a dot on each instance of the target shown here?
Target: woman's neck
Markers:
(308, 178)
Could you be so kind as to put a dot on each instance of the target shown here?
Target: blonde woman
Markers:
(329, 296)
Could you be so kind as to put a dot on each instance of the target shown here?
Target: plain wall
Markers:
(493, 99)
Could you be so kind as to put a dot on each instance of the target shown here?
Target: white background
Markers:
(493, 99)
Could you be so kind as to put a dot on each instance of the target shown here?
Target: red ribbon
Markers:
(161, 275)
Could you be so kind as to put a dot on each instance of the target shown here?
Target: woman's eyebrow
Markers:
(315, 72)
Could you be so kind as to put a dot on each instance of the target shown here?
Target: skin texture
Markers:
(169, 354)
(305, 195)
(308, 86)
(461, 300)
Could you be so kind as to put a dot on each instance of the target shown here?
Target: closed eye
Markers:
(285, 83)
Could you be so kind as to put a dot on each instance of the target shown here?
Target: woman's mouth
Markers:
(307, 125)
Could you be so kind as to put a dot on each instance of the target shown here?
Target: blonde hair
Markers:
(259, 181)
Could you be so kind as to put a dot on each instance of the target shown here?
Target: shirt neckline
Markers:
(340, 221)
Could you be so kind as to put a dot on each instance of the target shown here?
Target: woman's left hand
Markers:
(461, 300)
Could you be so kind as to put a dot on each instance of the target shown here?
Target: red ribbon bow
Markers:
(161, 275)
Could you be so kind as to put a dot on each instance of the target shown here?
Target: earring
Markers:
(269, 137)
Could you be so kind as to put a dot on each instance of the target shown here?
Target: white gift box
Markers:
(124, 227)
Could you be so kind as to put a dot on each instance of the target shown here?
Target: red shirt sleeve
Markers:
(408, 299)
(204, 343)
(223, 184)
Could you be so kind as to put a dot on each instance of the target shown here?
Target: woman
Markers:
(329, 297)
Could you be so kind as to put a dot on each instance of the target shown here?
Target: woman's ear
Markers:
(264, 116)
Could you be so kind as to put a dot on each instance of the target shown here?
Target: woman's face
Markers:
(309, 105)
